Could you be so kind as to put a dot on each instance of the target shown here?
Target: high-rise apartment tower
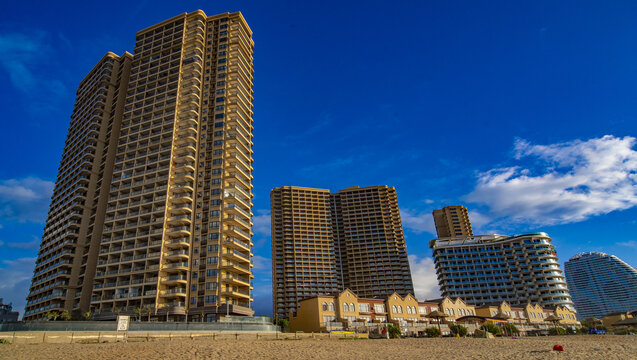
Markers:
(601, 284)
(152, 206)
(325, 242)
(452, 221)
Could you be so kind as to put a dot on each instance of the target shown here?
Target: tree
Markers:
(457, 329)
(52, 315)
(87, 316)
(117, 311)
(511, 329)
(65, 315)
(283, 323)
(491, 328)
(432, 331)
(139, 311)
(394, 331)
(148, 310)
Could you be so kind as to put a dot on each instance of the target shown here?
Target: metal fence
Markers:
(233, 326)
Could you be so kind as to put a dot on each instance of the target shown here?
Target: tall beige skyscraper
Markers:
(153, 203)
(452, 221)
(325, 242)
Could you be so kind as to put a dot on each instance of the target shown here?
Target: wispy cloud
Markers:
(630, 244)
(262, 223)
(16, 276)
(569, 182)
(25, 200)
(423, 275)
(418, 221)
(261, 263)
(33, 244)
(19, 53)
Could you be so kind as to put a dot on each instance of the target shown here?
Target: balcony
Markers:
(177, 255)
(236, 256)
(179, 231)
(235, 232)
(237, 244)
(236, 293)
(177, 266)
(174, 292)
(174, 279)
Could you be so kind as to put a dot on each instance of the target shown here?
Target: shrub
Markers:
(557, 331)
(5, 342)
(457, 329)
(511, 329)
(432, 331)
(394, 331)
(493, 329)
(283, 323)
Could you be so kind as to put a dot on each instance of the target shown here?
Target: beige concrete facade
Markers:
(348, 311)
(452, 221)
(326, 242)
(172, 224)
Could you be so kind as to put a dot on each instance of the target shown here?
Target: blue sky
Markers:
(525, 112)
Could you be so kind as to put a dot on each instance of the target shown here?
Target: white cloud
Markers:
(25, 200)
(418, 222)
(261, 263)
(262, 223)
(16, 279)
(570, 181)
(423, 275)
(630, 244)
(34, 244)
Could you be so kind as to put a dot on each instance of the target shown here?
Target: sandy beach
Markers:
(577, 347)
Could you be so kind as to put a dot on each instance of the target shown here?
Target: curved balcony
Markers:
(178, 209)
(185, 137)
(177, 243)
(173, 292)
(176, 266)
(237, 199)
(180, 177)
(177, 255)
(181, 198)
(179, 220)
(179, 231)
(174, 279)
(182, 188)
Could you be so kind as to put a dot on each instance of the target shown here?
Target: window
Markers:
(219, 124)
(213, 260)
(218, 143)
(211, 299)
(363, 307)
(400, 309)
(211, 273)
(212, 248)
(324, 306)
(219, 116)
(331, 307)
(211, 286)
(220, 99)
(394, 309)
(379, 308)
(352, 308)
(193, 301)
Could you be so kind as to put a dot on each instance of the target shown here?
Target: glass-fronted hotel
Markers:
(601, 284)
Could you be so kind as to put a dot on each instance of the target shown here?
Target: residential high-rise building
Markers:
(601, 284)
(452, 221)
(152, 207)
(323, 243)
(519, 269)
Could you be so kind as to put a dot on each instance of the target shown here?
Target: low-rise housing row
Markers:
(347, 311)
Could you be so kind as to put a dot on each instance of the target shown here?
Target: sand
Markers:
(577, 347)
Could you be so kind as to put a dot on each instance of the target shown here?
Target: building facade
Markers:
(346, 310)
(601, 284)
(452, 221)
(325, 242)
(6, 313)
(153, 203)
(517, 269)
